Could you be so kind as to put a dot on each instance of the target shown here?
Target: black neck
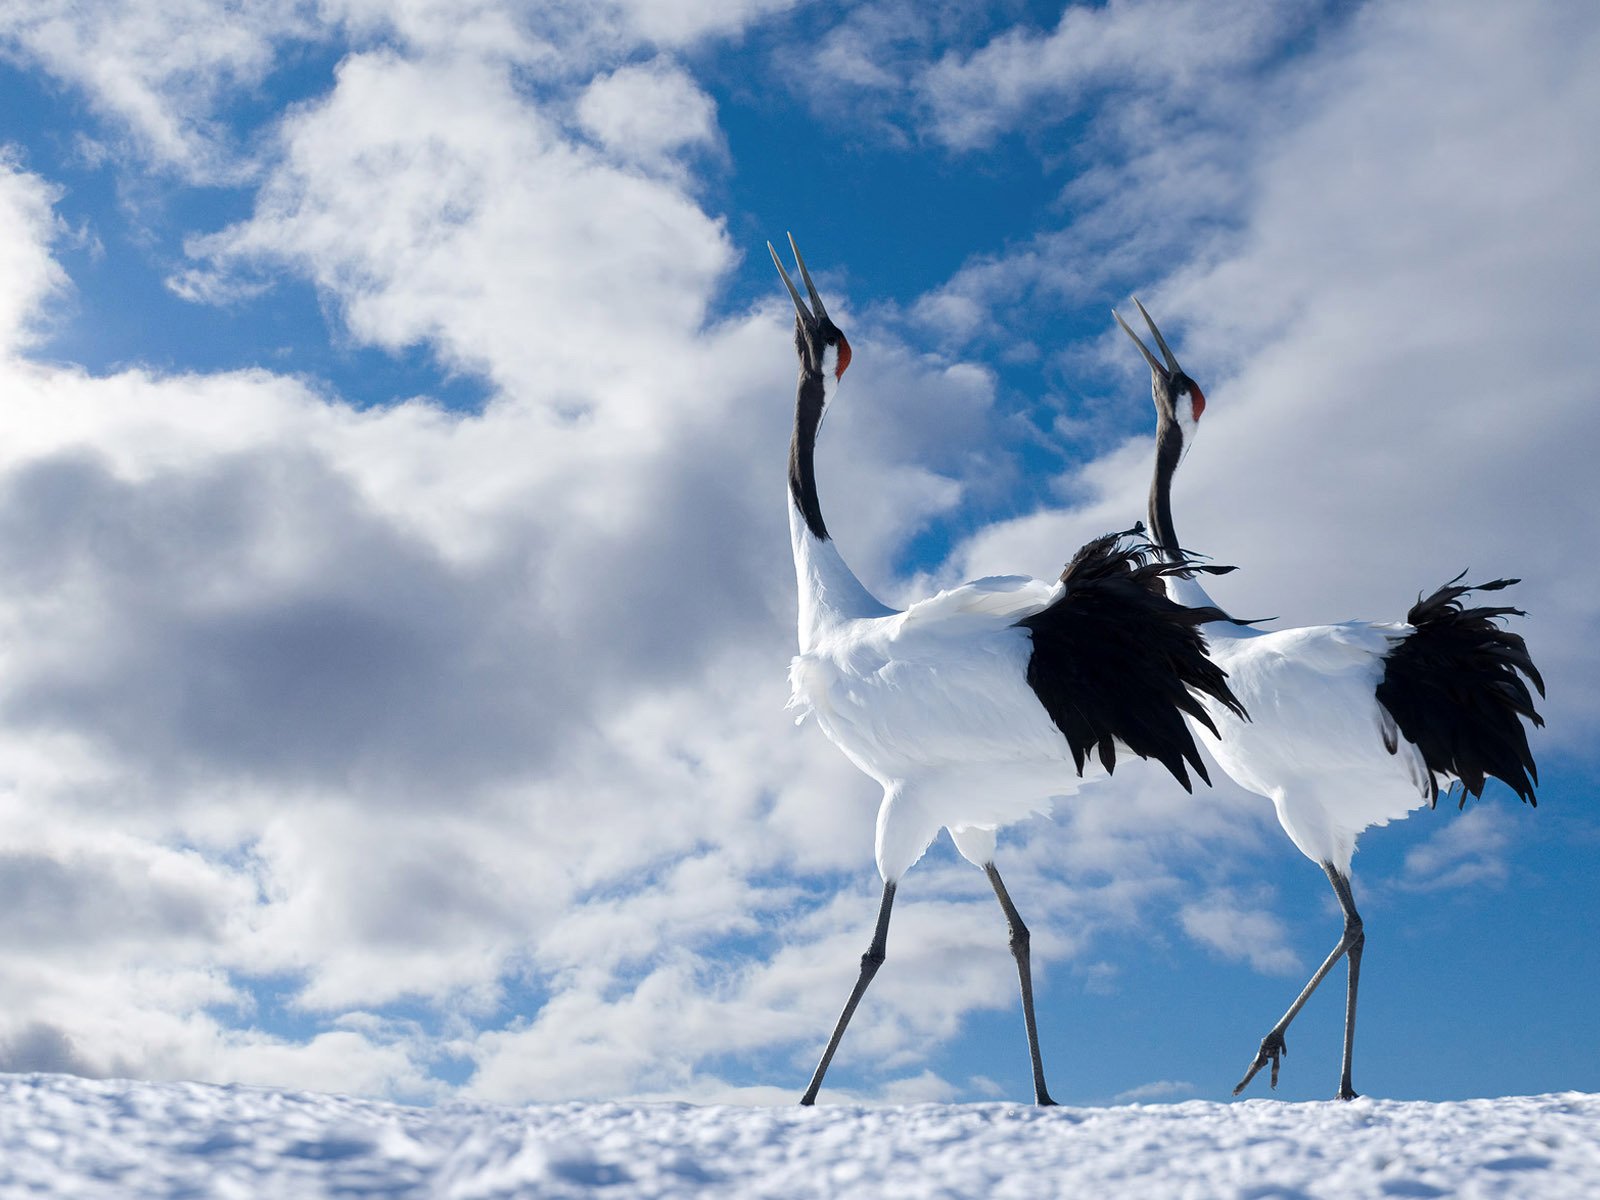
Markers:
(802, 468)
(1169, 450)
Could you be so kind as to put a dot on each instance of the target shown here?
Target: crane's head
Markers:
(1178, 398)
(821, 344)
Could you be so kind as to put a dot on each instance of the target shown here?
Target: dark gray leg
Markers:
(1019, 951)
(870, 962)
(1356, 940)
(1351, 942)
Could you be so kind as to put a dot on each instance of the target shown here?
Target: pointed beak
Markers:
(816, 312)
(1171, 367)
(1172, 361)
(799, 304)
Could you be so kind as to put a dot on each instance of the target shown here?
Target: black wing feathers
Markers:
(1454, 689)
(1115, 660)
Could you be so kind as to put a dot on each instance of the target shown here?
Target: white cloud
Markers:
(682, 22)
(1469, 850)
(492, 31)
(1240, 928)
(1160, 1089)
(163, 73)
(157, 68)
(1175, 50)
(648, 113)
(435, 205)
(29, 276)
(953, 74)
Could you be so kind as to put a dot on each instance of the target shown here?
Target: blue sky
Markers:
(394, 593)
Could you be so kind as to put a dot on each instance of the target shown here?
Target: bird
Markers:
(975, 707)
(1353, 724)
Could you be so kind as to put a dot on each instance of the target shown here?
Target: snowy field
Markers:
(63, 1136)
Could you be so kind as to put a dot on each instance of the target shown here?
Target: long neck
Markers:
(828, 590)
(1169, 451)
(808, 406)
(1184, 588)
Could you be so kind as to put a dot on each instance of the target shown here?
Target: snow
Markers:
(65, 1136)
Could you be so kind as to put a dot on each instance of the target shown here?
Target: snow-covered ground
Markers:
(62, 1136)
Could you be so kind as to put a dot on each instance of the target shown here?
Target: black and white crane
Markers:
(976, 707)
(1351, 725)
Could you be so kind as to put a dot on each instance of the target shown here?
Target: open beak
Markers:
(816, 312)
(1171, 368)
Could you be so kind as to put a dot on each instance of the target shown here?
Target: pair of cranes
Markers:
(975, 707)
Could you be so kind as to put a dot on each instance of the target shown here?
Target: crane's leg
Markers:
(1019, 951)
(1350, 943)
(1357, 939)
(870, 962)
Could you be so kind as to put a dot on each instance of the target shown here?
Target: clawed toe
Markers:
(1273, 1049)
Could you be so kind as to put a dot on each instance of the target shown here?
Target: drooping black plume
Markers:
(1115, 660)
(1454, 689)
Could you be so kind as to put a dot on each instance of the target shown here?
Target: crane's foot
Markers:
(1042, 1099)
(1346, 1092)
(1273, 1048)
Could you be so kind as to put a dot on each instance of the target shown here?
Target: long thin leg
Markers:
(1019, 951)
(1357, 939)
(870, 962)
(1350, 942)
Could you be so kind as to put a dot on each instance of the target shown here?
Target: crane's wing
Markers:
(1006, 598)
(1348, 646)
(1114, 660)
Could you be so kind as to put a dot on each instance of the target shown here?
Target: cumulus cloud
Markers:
(1241, 928)
(158, 70)
(164, 73)
(963, 75)
(1174, 50)
(1469, 851)
(684, 23)
(29, 275)
(1157, 1090)
(436, 206)
(647, 113)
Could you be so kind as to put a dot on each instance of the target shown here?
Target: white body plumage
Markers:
(931, 702)
(1317, 743)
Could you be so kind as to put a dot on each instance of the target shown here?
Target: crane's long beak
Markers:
(799, 304)
(816, 312)
(1171, 368)
(811, 288)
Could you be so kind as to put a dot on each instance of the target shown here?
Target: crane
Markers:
(1355, 724)
(975, 707)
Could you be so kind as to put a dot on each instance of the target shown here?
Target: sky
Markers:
(395, 598)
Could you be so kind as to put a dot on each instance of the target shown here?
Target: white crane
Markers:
(977, 706)
(1351, 725)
